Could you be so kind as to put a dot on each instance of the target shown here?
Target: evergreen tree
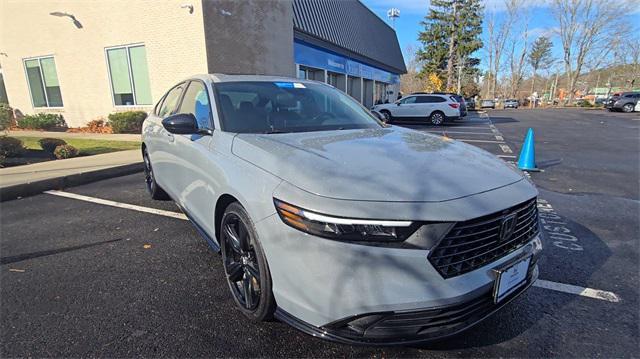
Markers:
(451, 35)
(539, 58)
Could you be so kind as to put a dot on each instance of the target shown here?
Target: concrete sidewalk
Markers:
(87, 136)
(21, 181)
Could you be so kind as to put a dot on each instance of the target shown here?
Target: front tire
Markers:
(436, 118)
(245, 265)
(628, 108)
(387, 116)
(155, 191)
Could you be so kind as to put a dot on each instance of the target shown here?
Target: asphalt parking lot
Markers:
(80, 278)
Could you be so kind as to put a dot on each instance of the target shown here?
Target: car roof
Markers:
(218, 77)
(256, 78)
(428, 94)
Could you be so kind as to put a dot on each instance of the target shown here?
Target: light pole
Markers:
(393, 14)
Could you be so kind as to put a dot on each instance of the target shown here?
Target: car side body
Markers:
(435, 108)
(625, 101)
(441, 197)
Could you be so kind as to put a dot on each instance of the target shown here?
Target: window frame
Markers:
(403, 101)
(46, 97)
(133, 90)
(179, 103)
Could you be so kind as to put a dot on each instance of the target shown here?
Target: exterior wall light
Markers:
(64, 14)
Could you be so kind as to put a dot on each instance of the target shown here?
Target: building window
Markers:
(43, 82)
(129, 75)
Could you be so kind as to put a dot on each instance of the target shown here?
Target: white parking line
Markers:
(581, 291)
(559, 287)
(118, 204)
(481, 141)
(506, 156)
(461, 132)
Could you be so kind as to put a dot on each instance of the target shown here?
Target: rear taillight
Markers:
(454, 105)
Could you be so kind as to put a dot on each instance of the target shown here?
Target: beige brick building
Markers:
(29, 31)
(86, 59)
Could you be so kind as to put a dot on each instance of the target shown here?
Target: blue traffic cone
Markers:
(527, 160)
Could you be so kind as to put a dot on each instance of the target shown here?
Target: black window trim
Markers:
(179, 99)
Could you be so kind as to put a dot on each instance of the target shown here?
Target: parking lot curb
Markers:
(32, 188)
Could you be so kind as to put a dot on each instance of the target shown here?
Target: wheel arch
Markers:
(221, 205)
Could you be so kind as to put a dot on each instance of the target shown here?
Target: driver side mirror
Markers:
(398, 103)
(181, 124)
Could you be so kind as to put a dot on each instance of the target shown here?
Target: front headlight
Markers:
(347, 229)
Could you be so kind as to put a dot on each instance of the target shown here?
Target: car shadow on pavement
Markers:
(32, 255)
(503, 119)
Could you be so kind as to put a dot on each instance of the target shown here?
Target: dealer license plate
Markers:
(510, 278)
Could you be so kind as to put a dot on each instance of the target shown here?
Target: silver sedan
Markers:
(334, 222)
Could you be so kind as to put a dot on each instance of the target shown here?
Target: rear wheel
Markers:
(245, 265)
(436, 118)
(627, 108)
(153, 188)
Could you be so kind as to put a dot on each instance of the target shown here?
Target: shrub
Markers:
(99, 126)
(50, 144)
(6, 117)
(42, 121)
(65, 151)
(127, 122)
(11, 146)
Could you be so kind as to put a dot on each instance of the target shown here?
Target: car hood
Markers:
(385, 164)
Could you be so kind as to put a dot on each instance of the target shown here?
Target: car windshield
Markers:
(278, 107)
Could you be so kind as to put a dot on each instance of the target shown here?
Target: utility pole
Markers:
(460, 68)
(555, 88)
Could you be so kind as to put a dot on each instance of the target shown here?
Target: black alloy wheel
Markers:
(245, 265)
(154, 190)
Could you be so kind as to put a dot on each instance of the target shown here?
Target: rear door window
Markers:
(408, 100)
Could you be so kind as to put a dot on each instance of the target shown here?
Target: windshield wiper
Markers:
(275, 130)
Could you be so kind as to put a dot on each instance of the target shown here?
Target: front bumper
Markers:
(321, 285)
(410, 326)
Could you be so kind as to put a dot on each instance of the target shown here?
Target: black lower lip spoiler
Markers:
(330, 335)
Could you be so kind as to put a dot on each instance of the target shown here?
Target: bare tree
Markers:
(412, 81)
(585, 27)
(517, 58)
(498, 35)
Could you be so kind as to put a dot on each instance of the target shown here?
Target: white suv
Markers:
(436, 108)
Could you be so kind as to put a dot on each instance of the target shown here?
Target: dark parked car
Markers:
(471, 103)
(624, 101)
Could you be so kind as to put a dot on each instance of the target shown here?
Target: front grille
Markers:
(472, 244)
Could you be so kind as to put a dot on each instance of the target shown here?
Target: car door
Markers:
(162, 153)
(406, 107)
(193, 168)
(424, 106)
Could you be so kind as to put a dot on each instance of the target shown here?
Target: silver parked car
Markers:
(334, 222)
